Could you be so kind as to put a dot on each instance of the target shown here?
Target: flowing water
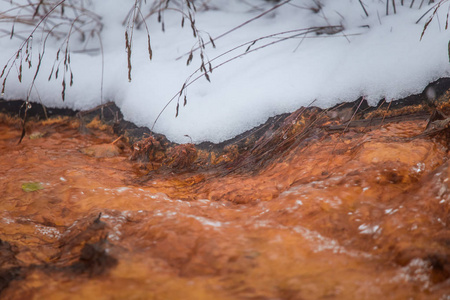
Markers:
(360, 215)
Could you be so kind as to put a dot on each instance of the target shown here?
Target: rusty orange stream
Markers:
(360, 215)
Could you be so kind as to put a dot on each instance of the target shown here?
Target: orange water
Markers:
(360, 215)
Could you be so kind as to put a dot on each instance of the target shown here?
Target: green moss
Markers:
(31, 186)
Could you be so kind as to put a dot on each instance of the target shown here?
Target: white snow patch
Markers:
(50, 232)
(122, 189)
(321, 243)
(7, 220)
(368, 229)
(207, 222)
(417, 270)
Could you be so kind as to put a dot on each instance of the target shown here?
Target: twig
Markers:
(248, 51)
(356, 110)
(386, 112)
(116, 140)
(103, 66)
(239, 26)
(363, 7)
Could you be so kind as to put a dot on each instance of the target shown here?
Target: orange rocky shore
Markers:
(347, 203)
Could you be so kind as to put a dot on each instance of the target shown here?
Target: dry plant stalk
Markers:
(64, 20)
(61, 20)
(136, 18)
(434, 9)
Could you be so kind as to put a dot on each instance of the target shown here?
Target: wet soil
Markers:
(316, 207)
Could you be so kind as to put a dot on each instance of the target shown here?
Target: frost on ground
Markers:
(367, 53)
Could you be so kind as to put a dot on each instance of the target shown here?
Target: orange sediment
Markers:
(357, 215)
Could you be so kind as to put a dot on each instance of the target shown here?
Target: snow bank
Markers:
(376, 56)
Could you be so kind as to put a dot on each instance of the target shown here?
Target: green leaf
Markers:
(36, 135)
(31, 186)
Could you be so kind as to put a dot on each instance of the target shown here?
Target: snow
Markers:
(379, 56)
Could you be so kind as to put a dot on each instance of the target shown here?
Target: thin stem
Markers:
(190, 82)
(239, 26)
